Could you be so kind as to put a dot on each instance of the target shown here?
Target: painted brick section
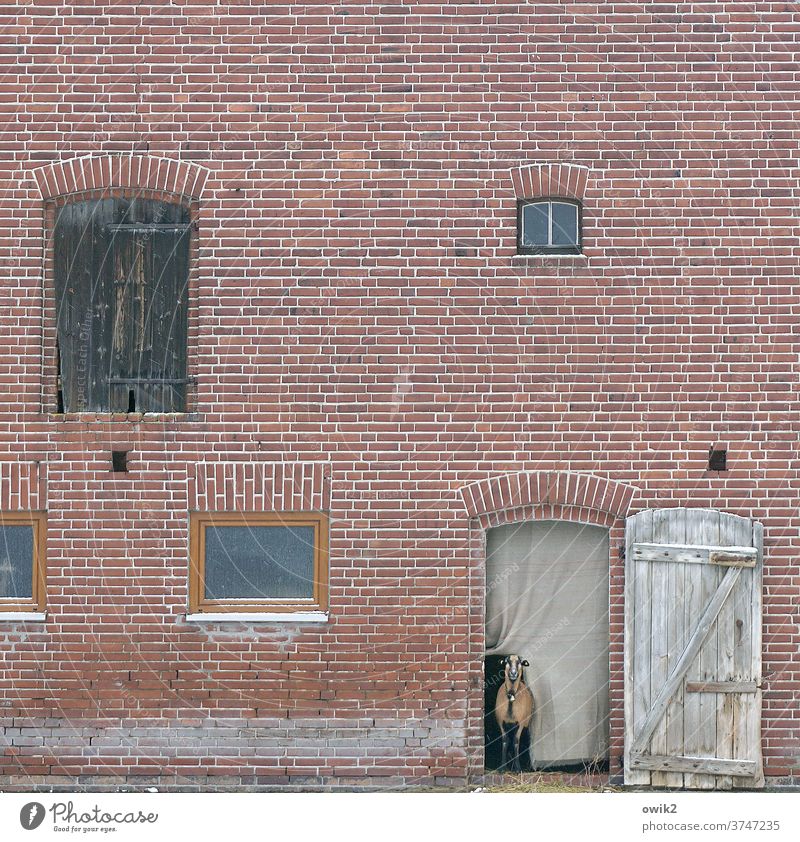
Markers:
(357, 305)
(259, 486)
(204, 751)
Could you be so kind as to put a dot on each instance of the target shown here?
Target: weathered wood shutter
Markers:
(693, 650)
(121, 278)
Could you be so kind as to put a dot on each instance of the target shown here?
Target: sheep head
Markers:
(514, 666)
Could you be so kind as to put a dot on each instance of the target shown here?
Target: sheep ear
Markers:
(525, 664)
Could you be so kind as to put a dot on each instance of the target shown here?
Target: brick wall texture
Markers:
(357, 307)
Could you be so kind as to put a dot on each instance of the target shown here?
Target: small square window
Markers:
(549, 226)
(22, 576)
(258, 562)
(718, 459)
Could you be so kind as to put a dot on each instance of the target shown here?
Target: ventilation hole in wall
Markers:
(60, 402)
(119, 461)
(131, 400)
(717, 459)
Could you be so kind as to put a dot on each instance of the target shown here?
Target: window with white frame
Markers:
(549, 226)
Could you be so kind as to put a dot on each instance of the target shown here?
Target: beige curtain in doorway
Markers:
(547, 600)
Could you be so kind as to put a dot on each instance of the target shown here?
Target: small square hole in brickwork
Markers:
(718, 459)
(119, 461)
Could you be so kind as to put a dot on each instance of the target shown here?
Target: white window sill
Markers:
(263, 617)
(543, 257)
(23, 616)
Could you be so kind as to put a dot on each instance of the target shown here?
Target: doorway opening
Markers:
(547, 595)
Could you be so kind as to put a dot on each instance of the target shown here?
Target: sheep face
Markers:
(514, 667)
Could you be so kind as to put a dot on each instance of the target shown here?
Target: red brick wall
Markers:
(357, 301)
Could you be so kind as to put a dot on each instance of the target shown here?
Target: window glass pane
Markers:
(259, 562)
(16, 562)
(534, 224)
(565, 224)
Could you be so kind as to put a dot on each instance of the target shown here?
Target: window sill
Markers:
(255, 617)
(549, 259)
(125, 417)
(23, 616)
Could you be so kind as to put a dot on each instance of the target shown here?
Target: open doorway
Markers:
(547, 592)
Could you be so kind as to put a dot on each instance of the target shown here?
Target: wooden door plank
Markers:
(164, 355)
(747, 732)
(669, 526)
(101, 302)
(643, 637)
(659, 641)
(677, 643)
(127, 275)
(722, 686)
(699, 765)
(693, 554)
(737, 532)
(697, 638)
(697, 528)
(706, 728)
(637, 641)
(82, 296)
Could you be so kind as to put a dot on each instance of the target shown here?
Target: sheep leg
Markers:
(531, 761)
(516, 765)
(504, 743)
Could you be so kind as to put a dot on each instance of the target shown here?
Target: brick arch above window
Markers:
(554, 488)
(563, 180)
(102, 172)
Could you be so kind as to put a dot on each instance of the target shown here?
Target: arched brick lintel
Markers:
(556, 488)
(565, 180)
(100, 172)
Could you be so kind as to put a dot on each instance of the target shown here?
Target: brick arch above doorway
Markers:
(102, 172)
(553, 488)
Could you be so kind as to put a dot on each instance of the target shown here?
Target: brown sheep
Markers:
(514, 711)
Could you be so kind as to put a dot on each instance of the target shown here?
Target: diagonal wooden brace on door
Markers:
(696, 640)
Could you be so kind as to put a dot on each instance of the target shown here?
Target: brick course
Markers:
(357, 305)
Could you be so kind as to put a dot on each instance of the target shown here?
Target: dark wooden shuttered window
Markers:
(121, 284)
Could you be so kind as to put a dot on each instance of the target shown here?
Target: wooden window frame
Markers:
(198, 604)
(38, 521)
(549, 249)
(50, 369)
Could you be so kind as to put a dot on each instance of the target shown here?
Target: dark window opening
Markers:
(549, 226)
(717, 459)
(121, 270)
(119, 461)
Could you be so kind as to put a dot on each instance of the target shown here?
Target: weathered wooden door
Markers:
(693, 649)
